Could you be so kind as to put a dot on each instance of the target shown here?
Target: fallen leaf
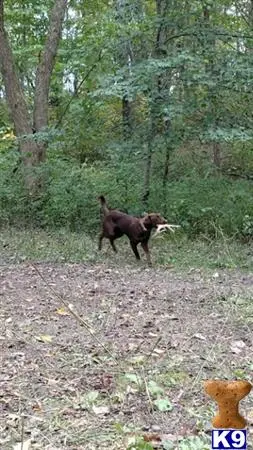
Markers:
(37, 407)
(131, 390)
(104, 382)
(159, 351)
(199, 336)
(62, 312)
(148, 437)
(132, 346)
(237, 347)
(101, 410)
(52, 382)
(44, 338)
(49, 447)
(22, 445)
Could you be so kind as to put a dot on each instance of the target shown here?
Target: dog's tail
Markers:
(104, 206)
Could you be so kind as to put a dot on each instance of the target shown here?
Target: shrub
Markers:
(69, 198)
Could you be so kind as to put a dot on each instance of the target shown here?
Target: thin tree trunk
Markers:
(159, 122)
(249, 45)
(147, 173)
(124, 11)
(157, 98)
(210, 43)
(166, 166)
(167, 124)
(126, 117)
(44, 72)
(217, 154)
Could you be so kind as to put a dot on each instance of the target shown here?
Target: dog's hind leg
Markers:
(146, 250)
(113, 245)
(135, 250)
(101, 236)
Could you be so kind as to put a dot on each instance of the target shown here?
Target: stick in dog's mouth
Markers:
(165, 227)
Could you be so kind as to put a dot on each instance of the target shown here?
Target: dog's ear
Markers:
(149, 219)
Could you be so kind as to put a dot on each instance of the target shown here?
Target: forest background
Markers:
(147, 102)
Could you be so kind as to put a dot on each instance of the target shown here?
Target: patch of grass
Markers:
(43, 246)
(173, 378)
(167, 250)
(221, 253)
(189, 443)
(195, 443)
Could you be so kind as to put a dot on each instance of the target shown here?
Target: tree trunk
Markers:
(147, 173)
(209, 44)
(217, 154)
(126, 117)
(32, 152)
(124, 12)
(166, 166)
(14, 94)
(44, 72)
(249, 45)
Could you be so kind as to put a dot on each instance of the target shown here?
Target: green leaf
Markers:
(133, 377)
(154, 388)
(89, 399)
(193, 443)
(163, 404)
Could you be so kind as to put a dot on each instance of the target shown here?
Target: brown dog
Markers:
(138, 230)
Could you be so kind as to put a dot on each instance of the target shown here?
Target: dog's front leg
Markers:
(135, 250)
(146, 250)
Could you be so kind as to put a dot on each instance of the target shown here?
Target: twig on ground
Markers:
(22, 419)
(153, 348)
(74, 314)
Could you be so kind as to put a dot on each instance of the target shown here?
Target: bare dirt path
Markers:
(164, 332)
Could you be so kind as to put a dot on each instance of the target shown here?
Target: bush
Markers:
(201, 206)
(207, 206)
(69, 197)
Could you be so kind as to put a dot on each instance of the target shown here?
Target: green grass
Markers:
(167, 250)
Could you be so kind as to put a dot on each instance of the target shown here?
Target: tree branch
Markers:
(216, 32)
(45, 67)
(78, 88)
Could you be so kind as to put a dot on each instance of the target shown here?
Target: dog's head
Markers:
(153, 219)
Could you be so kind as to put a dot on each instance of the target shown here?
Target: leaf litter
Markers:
(165, 332)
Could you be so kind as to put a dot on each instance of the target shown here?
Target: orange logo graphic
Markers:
(228, 394)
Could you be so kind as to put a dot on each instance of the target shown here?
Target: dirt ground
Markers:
(136, 368)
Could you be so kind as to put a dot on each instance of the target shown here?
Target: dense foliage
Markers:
(150, 103)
